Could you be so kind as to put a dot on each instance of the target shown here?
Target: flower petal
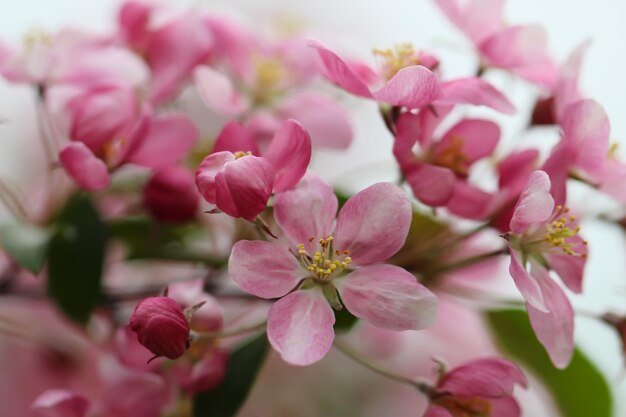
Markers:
(570, 268)
(263, 269)
(300, 327)
(526, 284)
(478, 138)
(244, 186)
(218, 92)
(413, 87)
(486, 377)
(337, 71)
(308, 209)
(60, 403)
(388, 296)
(555, 330)
(234, 137)
(329, 125)
(470, 202)
(84, 167)
(477, 19)
(535, 204)
(566, 91)
(208, 169)
(505, 407)
(289, 152)
(432, 185)
(168, 140)
(374, 223)
(474, 91)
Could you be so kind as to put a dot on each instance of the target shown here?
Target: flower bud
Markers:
(161, 327)
(171, 196)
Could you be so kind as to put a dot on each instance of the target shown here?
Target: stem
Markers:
(359, 358)
(470, 261)
(230, 333)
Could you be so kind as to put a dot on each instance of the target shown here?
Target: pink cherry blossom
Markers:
(412, 86)
(171, 195)
(479, 387)
(542, 238)
(520, 49)
(161, 326)
(309, 272)
(60, 403)
(240, 183)
(440, 168)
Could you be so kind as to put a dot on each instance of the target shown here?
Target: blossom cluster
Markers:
(192, 137)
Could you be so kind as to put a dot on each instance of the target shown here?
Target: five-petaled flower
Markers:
(322, 262)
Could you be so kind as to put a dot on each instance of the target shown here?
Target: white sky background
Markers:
(359, 25)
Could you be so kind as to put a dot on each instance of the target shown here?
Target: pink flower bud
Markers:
(171, 196)
(203, 375)
(161, 327)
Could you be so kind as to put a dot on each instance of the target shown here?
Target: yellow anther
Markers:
(311, 239)
(241, 154)
(346, 252)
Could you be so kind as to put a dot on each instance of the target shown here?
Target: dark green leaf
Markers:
(243, 367)
(344, 320)
(26, 243)
(579, 391)
(76, 258)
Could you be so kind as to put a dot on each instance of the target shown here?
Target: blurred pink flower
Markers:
(60, 403)
(204, 374)
(308, 272)
(171, 196)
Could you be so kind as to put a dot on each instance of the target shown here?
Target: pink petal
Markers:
(526, 284)
(234, 137)
(521, 49)
(289, 152)
(474, 91)
(555, 330)
(535, 204)
(208, 169)
(60, 403)
(515, 168)
(374, 223)
(407, 132)
(243, 187)
(470, 202)
(479, 138)
(432, 185)
(487, 377)
(307, 210)
(300, 327)
(476, 18)
(413, 87)
(218, 93)
(505, 407)
(330, 125)
(570, 268)
(133, 19)
(84, 167)
(337, 71)
(566, 91)
(233, 43)
(168, 140)
(388, 296)
(264, 269)
(586, 129)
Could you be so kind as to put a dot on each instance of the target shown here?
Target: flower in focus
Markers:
(520, 49)
(161, 326)
(543, 238)
(318, 265)
(239, 182)
(413, 86)
(480, 388)
(60, 403)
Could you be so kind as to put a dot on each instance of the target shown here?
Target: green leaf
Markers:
(26, 243)
(344, 320)
(243, 366)
(580, 390)
(75, 259)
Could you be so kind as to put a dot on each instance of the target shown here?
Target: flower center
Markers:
(465, 406)
(270, 75)
(241, 154)
(453, 157)
(396, 58)
(36, 37)
(325, 262)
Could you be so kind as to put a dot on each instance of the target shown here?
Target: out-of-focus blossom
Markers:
(161, 327)
(210, 317)
(543, 238)
(171, 195)
(520, 49)
(204, 374)
(413, 86)
(60, 403)
(482, 387)
(311, 268)
(240, 183)
(434, 173)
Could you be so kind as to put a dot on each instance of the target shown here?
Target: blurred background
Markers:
(358, 26)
